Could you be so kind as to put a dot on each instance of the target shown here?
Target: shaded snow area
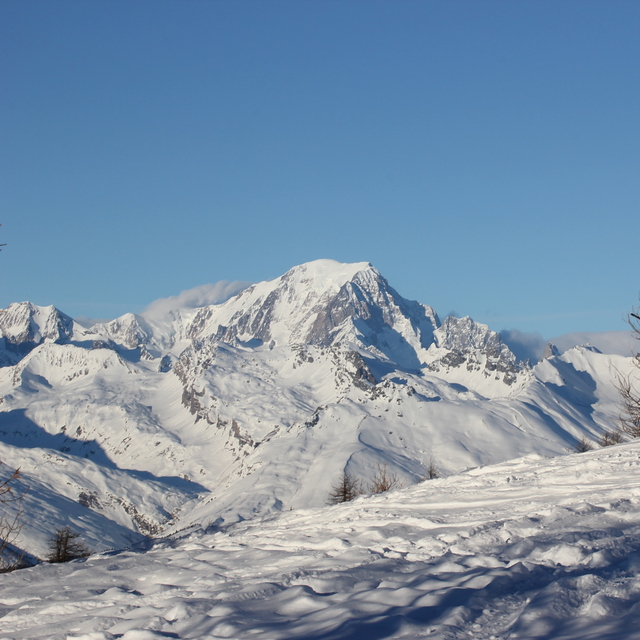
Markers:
(531, 548)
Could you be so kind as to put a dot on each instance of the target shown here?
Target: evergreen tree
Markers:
(345, 490)
(65, 545)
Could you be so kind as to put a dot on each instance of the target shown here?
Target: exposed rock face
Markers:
(360, 372)
(472, 345)
(373, 308)
(550, 350)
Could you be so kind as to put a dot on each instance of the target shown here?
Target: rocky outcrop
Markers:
(462, 342)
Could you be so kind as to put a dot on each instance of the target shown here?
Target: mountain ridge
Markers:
(259, 402)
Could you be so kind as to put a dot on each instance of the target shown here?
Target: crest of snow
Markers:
(52, 363)
(323, 303)
(282, 309)
(128, 330)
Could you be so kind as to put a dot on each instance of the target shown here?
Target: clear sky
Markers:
(483, 155)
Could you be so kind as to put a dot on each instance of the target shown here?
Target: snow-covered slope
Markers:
(527, 549)
(259, 403)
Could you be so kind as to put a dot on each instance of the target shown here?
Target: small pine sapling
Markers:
(345, 489)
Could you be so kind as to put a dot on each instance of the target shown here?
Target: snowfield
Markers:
(530, 548)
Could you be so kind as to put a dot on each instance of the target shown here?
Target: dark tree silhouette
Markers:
(65, 545)
(345, 490)
(432, 471)
(583, 445)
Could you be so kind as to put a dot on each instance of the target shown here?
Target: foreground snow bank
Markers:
(532, 548)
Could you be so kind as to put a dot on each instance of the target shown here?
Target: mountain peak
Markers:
(129, 330)
(262, 399)
(323, 303)
(326, 271)
(25, 325)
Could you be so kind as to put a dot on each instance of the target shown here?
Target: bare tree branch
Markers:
(11, 496)
(384, 481)
(629, 419)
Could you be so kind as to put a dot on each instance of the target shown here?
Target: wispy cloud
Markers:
(524, 345)
(530, 346)
(199, 296)
(622, 343)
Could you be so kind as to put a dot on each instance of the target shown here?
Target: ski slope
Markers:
(531, 548)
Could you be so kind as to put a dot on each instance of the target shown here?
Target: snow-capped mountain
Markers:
(258, 404)
(24, 326)
(322, 303)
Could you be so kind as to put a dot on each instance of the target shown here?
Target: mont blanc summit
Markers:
(141, 426)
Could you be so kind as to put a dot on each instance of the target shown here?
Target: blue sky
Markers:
(485, 156)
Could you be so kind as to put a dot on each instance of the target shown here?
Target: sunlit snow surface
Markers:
(532, 548)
